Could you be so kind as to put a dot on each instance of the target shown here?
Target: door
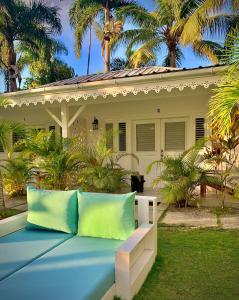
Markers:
(155, 138)
(146, 146)
(173, 136)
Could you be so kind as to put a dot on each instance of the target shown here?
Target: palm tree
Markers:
(171, 25)
(25, 23)
(44, 65)
(85, 12)
(224, 104)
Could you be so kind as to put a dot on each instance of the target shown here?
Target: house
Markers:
(155, 110)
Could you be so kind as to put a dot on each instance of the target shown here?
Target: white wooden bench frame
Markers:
(133, 260)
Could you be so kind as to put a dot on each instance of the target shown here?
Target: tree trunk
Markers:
(2, 201)
(172, 57)
(89, 53)
(11, 71)
(107, 39)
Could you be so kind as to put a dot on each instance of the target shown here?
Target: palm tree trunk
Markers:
(89, 53)
(2, 202)
(107, 39)
(11, 64)
(172, 58)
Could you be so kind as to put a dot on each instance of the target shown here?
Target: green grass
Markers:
(8, 212)
(194, 264)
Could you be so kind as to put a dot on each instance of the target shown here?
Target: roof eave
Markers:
(97, 84)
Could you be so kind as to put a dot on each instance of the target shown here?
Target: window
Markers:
(109, 137)
(52, 129)
(122, 136)
(199, 128)
(145, 137)
(174, 136)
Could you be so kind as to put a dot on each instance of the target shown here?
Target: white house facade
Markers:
(155, 111)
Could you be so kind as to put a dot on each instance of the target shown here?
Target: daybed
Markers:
(41, 264)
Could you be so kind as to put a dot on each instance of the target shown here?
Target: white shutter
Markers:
(122, 136)
(174, 136)
(145, 137)
(199, 128)
(109, 141)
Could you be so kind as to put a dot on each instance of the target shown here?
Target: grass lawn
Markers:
(194, 264)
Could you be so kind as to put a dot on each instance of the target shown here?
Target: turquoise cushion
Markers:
(21, 247)
(106, 215)
(80, 269)
(56, 210)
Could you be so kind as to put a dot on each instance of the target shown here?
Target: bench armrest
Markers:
(13, 223)
(134, 260)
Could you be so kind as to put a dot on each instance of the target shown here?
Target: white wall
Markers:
(187, 104)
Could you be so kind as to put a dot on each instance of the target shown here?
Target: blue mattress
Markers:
(80, 268)
(22, 247)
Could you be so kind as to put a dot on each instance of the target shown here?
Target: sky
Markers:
(79, 65)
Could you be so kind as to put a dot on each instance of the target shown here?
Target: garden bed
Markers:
(8, 212)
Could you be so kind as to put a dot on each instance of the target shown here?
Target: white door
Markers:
(173, 136)
(146, 146)
(155, 138)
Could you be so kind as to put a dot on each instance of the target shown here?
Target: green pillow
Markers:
(106, 215)
(54, 210)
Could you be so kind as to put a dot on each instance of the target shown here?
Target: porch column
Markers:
(65, 119)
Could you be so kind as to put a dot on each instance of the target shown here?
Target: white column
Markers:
(65, 119)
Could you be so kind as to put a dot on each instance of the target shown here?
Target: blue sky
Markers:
(67, 36)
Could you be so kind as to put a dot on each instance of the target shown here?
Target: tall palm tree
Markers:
(85, 12)
(25, 23)
(171, 24)
(44, 65)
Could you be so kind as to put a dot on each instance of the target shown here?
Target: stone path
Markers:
(230, 222)
(200, 218)
(190, 218)
(19, 203)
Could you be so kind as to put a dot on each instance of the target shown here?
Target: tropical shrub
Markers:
(223, 157)
(181, 175)
(16, 174)
(55, 159)
(100, 169)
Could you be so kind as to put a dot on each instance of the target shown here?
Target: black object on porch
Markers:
(137, 183)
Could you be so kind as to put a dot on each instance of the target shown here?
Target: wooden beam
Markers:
(65, 119)
(78, 112)
(54, 117)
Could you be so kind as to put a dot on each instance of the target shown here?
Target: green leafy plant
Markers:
(55, 159)
(223, 157)
(181, 175)
(224, 104)
(17, 173)
(100, 168)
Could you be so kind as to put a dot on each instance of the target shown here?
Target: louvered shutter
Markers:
(122, 136)
(199, 128)
(175, 136)
(109, 140)
(145, 137)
